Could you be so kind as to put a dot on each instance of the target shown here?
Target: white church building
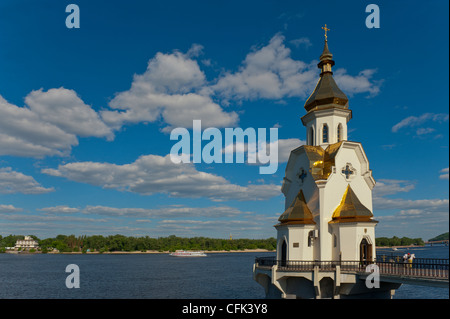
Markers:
(328, 212)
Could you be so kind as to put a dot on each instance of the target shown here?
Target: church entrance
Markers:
(283, 254)
(365, 251)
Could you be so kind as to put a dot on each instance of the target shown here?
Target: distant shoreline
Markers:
(406, 246)
(166, 252)
(138, 252)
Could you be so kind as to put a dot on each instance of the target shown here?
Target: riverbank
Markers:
(137, 252)
(396, 247)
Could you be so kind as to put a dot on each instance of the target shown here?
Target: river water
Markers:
(155, 276)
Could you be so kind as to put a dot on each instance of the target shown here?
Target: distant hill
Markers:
(443, 236)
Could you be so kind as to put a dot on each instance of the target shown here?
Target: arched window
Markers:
(311, 136)
(339, 132)
(310, 238)
(283, 253)
(325, 134)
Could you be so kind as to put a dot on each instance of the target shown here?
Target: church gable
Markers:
(350, 209)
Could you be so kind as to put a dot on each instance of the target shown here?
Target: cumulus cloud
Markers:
(23, 133)
(151, 174)
(64, 109)
(271, 73)
(360, 83)
(173, 91)
(48, 125)
(12, 182)
(169, 90)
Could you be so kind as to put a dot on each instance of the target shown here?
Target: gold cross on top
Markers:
(326, 29)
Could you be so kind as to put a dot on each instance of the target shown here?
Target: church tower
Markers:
(327, 107)
(328, 214)
(328, 181)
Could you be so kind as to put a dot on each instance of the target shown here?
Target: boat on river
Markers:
(184, 253)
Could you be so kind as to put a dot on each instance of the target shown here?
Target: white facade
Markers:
(323, 196)
(28, 242)
(334, 119)
(328, 217)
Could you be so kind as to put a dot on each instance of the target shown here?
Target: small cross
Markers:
(302, 175)
(326, 29)
(347, 171)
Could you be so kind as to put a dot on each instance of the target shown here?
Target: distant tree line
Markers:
(99, 243)
(112, 243)
(396, 241)
(443, 236)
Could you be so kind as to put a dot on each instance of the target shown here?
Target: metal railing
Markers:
(420, 267)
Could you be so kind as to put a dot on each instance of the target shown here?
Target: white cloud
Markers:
(357, 84)
(285, 146)
(166, 212)
(409, 204)
(62, 209)
(271, 73)
(402, 217)
(301, 41)
(15, 182)
(9, 209)
(170, 90)
(156, 174)
(392, 186)
(444, 173)
(412, 121)
(23, 133)
(64, 109)
(268, 73)
(48, 125)
(425, 130)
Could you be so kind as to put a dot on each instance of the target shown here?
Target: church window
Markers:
(339, 133)
(325, 134)
(310, 238)
(311, 136)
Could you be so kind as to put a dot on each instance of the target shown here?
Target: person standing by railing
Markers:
(405, 259)
(410, 259)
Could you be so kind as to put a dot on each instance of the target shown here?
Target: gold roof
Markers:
(326, 91)
(321, 161)
(350, 209)
(298, 212)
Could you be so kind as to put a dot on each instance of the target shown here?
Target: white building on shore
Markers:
(26, 243)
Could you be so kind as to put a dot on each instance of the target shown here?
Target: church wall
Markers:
(332, 122)
(299, 237)
(308, 185)
(350, 237)
(356, 181)
(282, 234)
(296, 237)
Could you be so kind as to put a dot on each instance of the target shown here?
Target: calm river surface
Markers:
(155, 276)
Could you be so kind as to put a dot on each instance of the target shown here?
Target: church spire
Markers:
(326, 58)
(326, 92)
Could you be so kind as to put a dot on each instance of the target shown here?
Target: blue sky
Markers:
(85, 114)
